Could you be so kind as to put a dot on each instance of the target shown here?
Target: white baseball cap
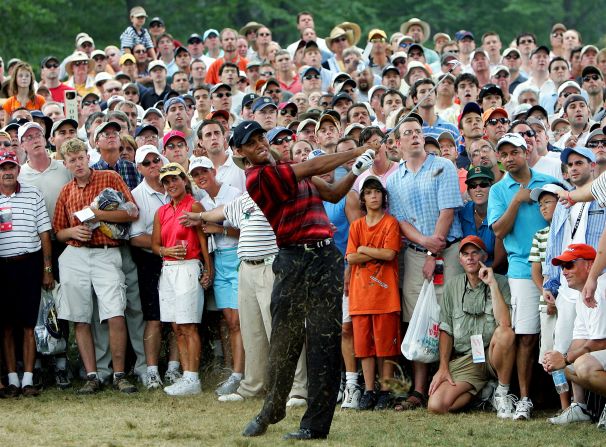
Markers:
(200, 162)
(27, 126)
(148, 149)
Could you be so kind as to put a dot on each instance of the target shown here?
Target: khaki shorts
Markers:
(462, 369)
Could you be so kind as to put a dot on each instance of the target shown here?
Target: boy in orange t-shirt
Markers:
(374, 300)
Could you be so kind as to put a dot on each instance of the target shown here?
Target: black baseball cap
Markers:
(248, 99)
(47, 59)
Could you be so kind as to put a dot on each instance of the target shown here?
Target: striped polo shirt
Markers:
(29, 219)
(257, 239)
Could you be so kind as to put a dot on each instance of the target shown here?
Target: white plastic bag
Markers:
(421, 342)
(49, 339)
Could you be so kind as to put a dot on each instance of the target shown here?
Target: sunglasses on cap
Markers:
(154, 160)
(495, 121)
(165, 169)
(528, 133)
(290, 112)
(310, 77)
(478, 185)
(278, 141)
(590, 77)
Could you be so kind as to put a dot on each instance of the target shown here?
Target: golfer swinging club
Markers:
(308, 289)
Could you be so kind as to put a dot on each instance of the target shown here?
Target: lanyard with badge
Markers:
(578, 222)
(472, 309)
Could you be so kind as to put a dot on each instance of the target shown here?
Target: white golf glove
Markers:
(363, 162)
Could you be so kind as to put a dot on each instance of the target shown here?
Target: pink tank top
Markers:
(172, 231)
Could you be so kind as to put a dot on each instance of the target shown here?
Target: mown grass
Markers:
(60, 418)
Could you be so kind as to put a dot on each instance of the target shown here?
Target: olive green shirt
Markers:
(467, 311)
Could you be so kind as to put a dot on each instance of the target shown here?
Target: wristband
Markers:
(570, 201)
(48, 269)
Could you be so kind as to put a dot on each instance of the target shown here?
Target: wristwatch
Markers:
(48, 269)
(565, 355)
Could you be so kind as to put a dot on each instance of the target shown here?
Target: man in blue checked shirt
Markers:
(423, 196)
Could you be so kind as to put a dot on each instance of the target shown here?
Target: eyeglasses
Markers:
(79, 63)
(528, 133)
(221, 95)
(526, 41)
(148, 137)
(590, 77)
(91, 102)
(410, 132)
(512, 56)
(140, 51)
(32, 137)
(478, 185)
(290, 112)
(154, 160)
(310, 77)
(279, 141)
(107, 134)
(569, 265)
(495, 121)
(172, 146)
(273, 92)
(52, 65)
(173, 168)
(596, 143)
(267, 73)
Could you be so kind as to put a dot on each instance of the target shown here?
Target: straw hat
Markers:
(415, 21)
(354, 28)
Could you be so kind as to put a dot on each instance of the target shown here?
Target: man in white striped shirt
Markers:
(256, 250)
(25, 266)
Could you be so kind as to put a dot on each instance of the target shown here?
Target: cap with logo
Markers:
(574, 252)
(473, 240)
(243, 131)
(8, 157)
(479, 172)
(514, 139)
(550, 188)
(200, 162)
(146, 149)
(263, 102)
(173, 134)
(108, 124)
(273, 133)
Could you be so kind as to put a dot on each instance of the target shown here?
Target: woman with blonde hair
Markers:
(182, 278)
(22, 90)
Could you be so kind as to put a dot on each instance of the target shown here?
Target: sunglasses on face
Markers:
(340, 39)
(166, 169)
(310, 77)
(478, 185)
(221, 95)
(52, 65)
(596, 143)
(377, 40)
(266, 73)
(154, 160)
(288, 112)
(273, 92)
(495, 121)
(91, 102)
(512, 56)
(590, 77)
(557, 34)
(568, 265)
(79, 63)
(501, 76)
(528, 133)
(264, 34)
(140, 51)
(526, 42)
(279, 141)
(6, 144)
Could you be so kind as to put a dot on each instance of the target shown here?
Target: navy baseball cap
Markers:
(142, 129)
(243, 131)
(262, 102)
(248, 99)
(172, 101)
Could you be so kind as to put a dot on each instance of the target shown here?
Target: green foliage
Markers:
(32, 29)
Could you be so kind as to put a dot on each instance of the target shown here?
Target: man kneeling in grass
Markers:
(476, 339)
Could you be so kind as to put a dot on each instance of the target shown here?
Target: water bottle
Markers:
(559, 380)
(438, 273)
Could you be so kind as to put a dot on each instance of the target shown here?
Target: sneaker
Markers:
(574, 413)
(184, 387)
(296, 401)
(523, 409)
(368, 400)
(342, 387)
(37, 378)
(602, 421)
(484, 399)
(351, 397)
(153, 381)
(91, 386)
(62, 379)
(233, 397)
(122, 384)
(172, 376)
(383, 401)
(504, 404)
(229, 386)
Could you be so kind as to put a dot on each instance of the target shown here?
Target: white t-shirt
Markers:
(564, 291)
(550, 166)
(590, 323)
(148, 200)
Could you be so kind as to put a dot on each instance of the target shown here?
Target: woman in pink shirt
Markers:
(183, 276)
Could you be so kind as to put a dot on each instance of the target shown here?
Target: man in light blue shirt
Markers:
(423, 196)
(515, 218)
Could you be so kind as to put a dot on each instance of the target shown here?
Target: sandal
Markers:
(413, 401)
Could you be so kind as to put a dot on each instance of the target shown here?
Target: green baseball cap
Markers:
(479, 172)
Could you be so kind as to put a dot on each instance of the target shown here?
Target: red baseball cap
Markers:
(574, 252)
(8, 157)
(473, 240)
(173, 134)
